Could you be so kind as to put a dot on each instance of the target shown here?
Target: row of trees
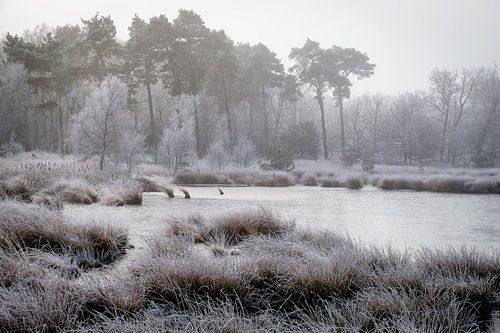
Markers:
(456, 122)
(179, 91)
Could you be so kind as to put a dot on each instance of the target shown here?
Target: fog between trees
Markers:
(176, 91)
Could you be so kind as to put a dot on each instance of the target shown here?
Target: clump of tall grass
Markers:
(50, 306)
(436, 183)
(281, 179)
(238, 226)
(122, 194)
(283, 279)
(17, 188)
(54, 202)
(74, 191)
(191, 178)
(354, 183)
(331, 182)
(316, 281)
(156, 184)
(25, 227)
(309, 180)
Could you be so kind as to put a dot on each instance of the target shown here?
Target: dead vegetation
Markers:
(247, 271)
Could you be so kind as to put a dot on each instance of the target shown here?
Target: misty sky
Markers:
(405, 39)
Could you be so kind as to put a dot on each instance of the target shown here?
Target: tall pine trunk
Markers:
(250, 125)
(342, 131)
(153, 139)
(264, 113)
(60, 141)
(197, 126)
(226, 107)
(319, 97)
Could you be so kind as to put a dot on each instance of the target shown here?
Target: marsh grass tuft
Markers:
(74, 191)
(309, 180)
(26, 227)
(354, 183)
(238, 226)
(129, 193)
(282, 279)
(17, 188)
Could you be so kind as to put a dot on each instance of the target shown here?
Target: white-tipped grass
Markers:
(283, 280)
(53, 202)
(157, 184)
(25, 227)
(17, 188)
(121, 194)
(317, 280)
(439, 183)
(74, 191)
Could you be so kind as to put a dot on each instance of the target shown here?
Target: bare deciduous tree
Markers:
(103, 125)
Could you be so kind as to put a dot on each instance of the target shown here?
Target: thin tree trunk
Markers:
(250, 126)
(197, 127)
(319, 97)
(443, 137)
(101, 161)
(278, 116)
(60, 141)
(226, 107)
(375, 138)
(342, 132)
(483, 132)
(264, 110)
(151, 116)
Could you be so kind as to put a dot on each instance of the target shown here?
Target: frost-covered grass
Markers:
(123, 193)
(309, 179)
(23, 176)
(26, 228)
(75, 191)
(440, 183)
(250, 271)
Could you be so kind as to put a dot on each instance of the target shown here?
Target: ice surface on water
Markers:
(399, 218)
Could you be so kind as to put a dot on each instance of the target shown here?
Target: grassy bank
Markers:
(234, 273)
(50, 178)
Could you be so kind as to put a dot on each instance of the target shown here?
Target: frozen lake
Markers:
(400, 218)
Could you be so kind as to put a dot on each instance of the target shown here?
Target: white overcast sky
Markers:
(405, 39)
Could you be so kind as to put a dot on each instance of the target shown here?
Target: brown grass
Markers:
(282, 280)
(74, 191)
(309, 180)
(354, 183)
(17, 188)
(239, 226)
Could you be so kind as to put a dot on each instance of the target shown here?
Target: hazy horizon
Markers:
(406, 41)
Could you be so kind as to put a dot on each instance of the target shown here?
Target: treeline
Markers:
(177, 90)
